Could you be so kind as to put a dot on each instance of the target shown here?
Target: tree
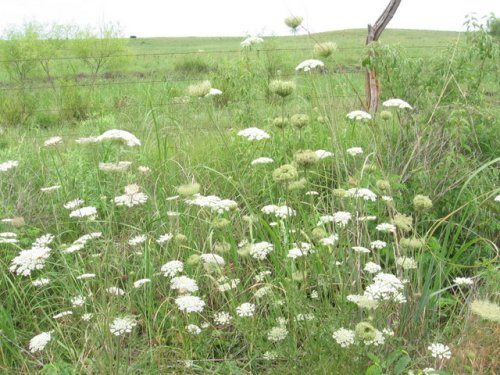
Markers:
(374, 32)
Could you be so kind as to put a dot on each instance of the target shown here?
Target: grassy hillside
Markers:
(305, 238)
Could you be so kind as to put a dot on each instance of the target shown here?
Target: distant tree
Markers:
(494, 26)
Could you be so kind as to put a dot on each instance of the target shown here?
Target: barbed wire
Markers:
(200, 52)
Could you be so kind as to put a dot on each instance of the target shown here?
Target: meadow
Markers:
(195, 206)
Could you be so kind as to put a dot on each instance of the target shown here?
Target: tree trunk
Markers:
(374, 32)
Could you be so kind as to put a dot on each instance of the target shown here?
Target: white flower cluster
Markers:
(386, 287)
(281, 212)
(399, 103)
(353, 151)
(211, 258)
(330, 240)
(225, 283)
(371, 267)
(213, 202)
(113, 134)
(172, 268)
(8, 237)
(359, 116)
(309, 64)
(89, 212)
(377, 244)
(251, 40)
(222, 318)
(183, 284)
(463, 281)
(137, 240)
(190, 303)
(386, 227)
(6, 165)
(260, 250)
(323, 154)
(164, 238)
(74, 204)
(132, 197)
(121, 166)
(364, 193)
(141, 282)
(277, 334)
(39, 342)
(34, 258)
(50, 188)
(440, 351)
(121, 326)
(406, 263)
(53, 141)
(344, 337)
(300, 250)
(245, 309)
(262, 160)
(254, 134)
(81, 242)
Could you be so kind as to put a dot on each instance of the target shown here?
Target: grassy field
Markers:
(355, 247)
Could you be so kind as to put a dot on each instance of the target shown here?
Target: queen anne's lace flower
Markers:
(245, 309)
(132, 197)
(260, 250)
(465, 281)
(323, 154)
(121, 326)
(89, 212)
(344, 337)
(74, 204)
(164, 238)
(377, 245)
(254, 134)
(278, 333)
(262, 160)
(439, 351)
(9, 164)
(385, 287)
(115, 291)
(114, 134)
(213, 202)
(307, 65)
(39, 342)
(364, 193)
(386, 227)
(212, 259)
(183, 284)
(222, 318)
(300, 250)
(251, 40)
(172, 268)
(137, 240)
(359, 115)
(141, 282)
(121, 166)
(353, 151)
(330, 240)
(193, 329)
(371, 267)
(32, 259)
(399, 103)
(190, 304)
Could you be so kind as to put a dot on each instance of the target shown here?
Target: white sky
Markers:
(235, 17)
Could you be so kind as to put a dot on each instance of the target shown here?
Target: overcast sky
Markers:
(147, 18)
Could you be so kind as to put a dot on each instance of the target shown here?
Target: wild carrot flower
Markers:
(164, 238)
(9, 164)
(190, 303)
(282, 88)
(40, 282)
(386, 227)
(137, 240)
(251, 40)
(359, 116)
(74, 204)
(254, 134)
(132, 197)
(62, 314)
(439, 351)
(172, 268)
(121, 166)
(344, 337)
(323, 154)
(88, 212)
(399, 103)
(222, 318)
(353, 151)
(115, 291)
(141, 282)
(364, 193)
(463, 281)
(371, 267)
(262, 160)
(39, 342)
(260, 250)
(183, 284)
(310, 64)
(277, 334)
(121, 326)
(245, 309)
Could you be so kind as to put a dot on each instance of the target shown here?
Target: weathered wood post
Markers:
(372, 85)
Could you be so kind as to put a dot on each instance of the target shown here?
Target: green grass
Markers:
(442, 149)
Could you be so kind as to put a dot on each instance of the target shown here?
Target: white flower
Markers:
(314, 294)
(190, 304)
(261, 292)
(53, 141)
(330, 240)
(323, 154)
(386, 227)
(364, 193)
(378, 340)
(276, 334)
(213, 202)
(164, 238)
(371, 267)
(172, 268)
(463, 281)
(353, 151)
(213, 92)
(270, 355)
(143, 169)
(377, 245)
(361, 249)
(300, 250)
(251, 40)
(307, 65)
(212, 259)
(223, 318)
(183, 284)
(497, 198)
(406, 263)
(87, 316)
(260, 250)
(62, 314)
(225, 283)
(32, 259)
(50, 188)
(440, 351)
(115, 291)
(121, 326)
(193, 329)
(281, 212)
(39, 342)
(8, 237)
(359, 115)
(78, 301)
(121, 166)
(245, 309)
(399, 103)
(86, 276)
(89, 212)
(74, 204)
(304, 317)
(342, 218)
(385, 287)
(141, 282)
(40, 282)
(137, 240)
(262, 160)
(312, 192)
(132, 197)
(79, 244)
(325, 219)
(260, 277)
(363, 301)
(254, 134)
(113, 134)
(344, 337)
(6, 165)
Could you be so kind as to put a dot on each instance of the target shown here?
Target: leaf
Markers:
(401, 364)
(373, 370)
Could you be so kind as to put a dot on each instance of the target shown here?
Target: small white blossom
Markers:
(364, 193)
(121, 326)
(377, 245)
(6, 165)
(254, 134)
(386, 227)
(78, 301)
(276, 334)
(137, 240)
(62, 314)
(399, 103)
(40, 282)
(307, 65)
(371, 267)
(260, 250)
(74, 204)
(89, 212)
(164, 238)
(183, 284)
(172, 268)
(251, 40)
(323, 154)
(353, 151)
(222, 318)
(262, 160)
(359, 115)
(439, 351)
(361, 249)
(39, 342)
(141, 282)
(245, 309)
(344, 337)
(115, 291)
(463, 281)
(193, 329)
(330, 240)
(190, 303)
